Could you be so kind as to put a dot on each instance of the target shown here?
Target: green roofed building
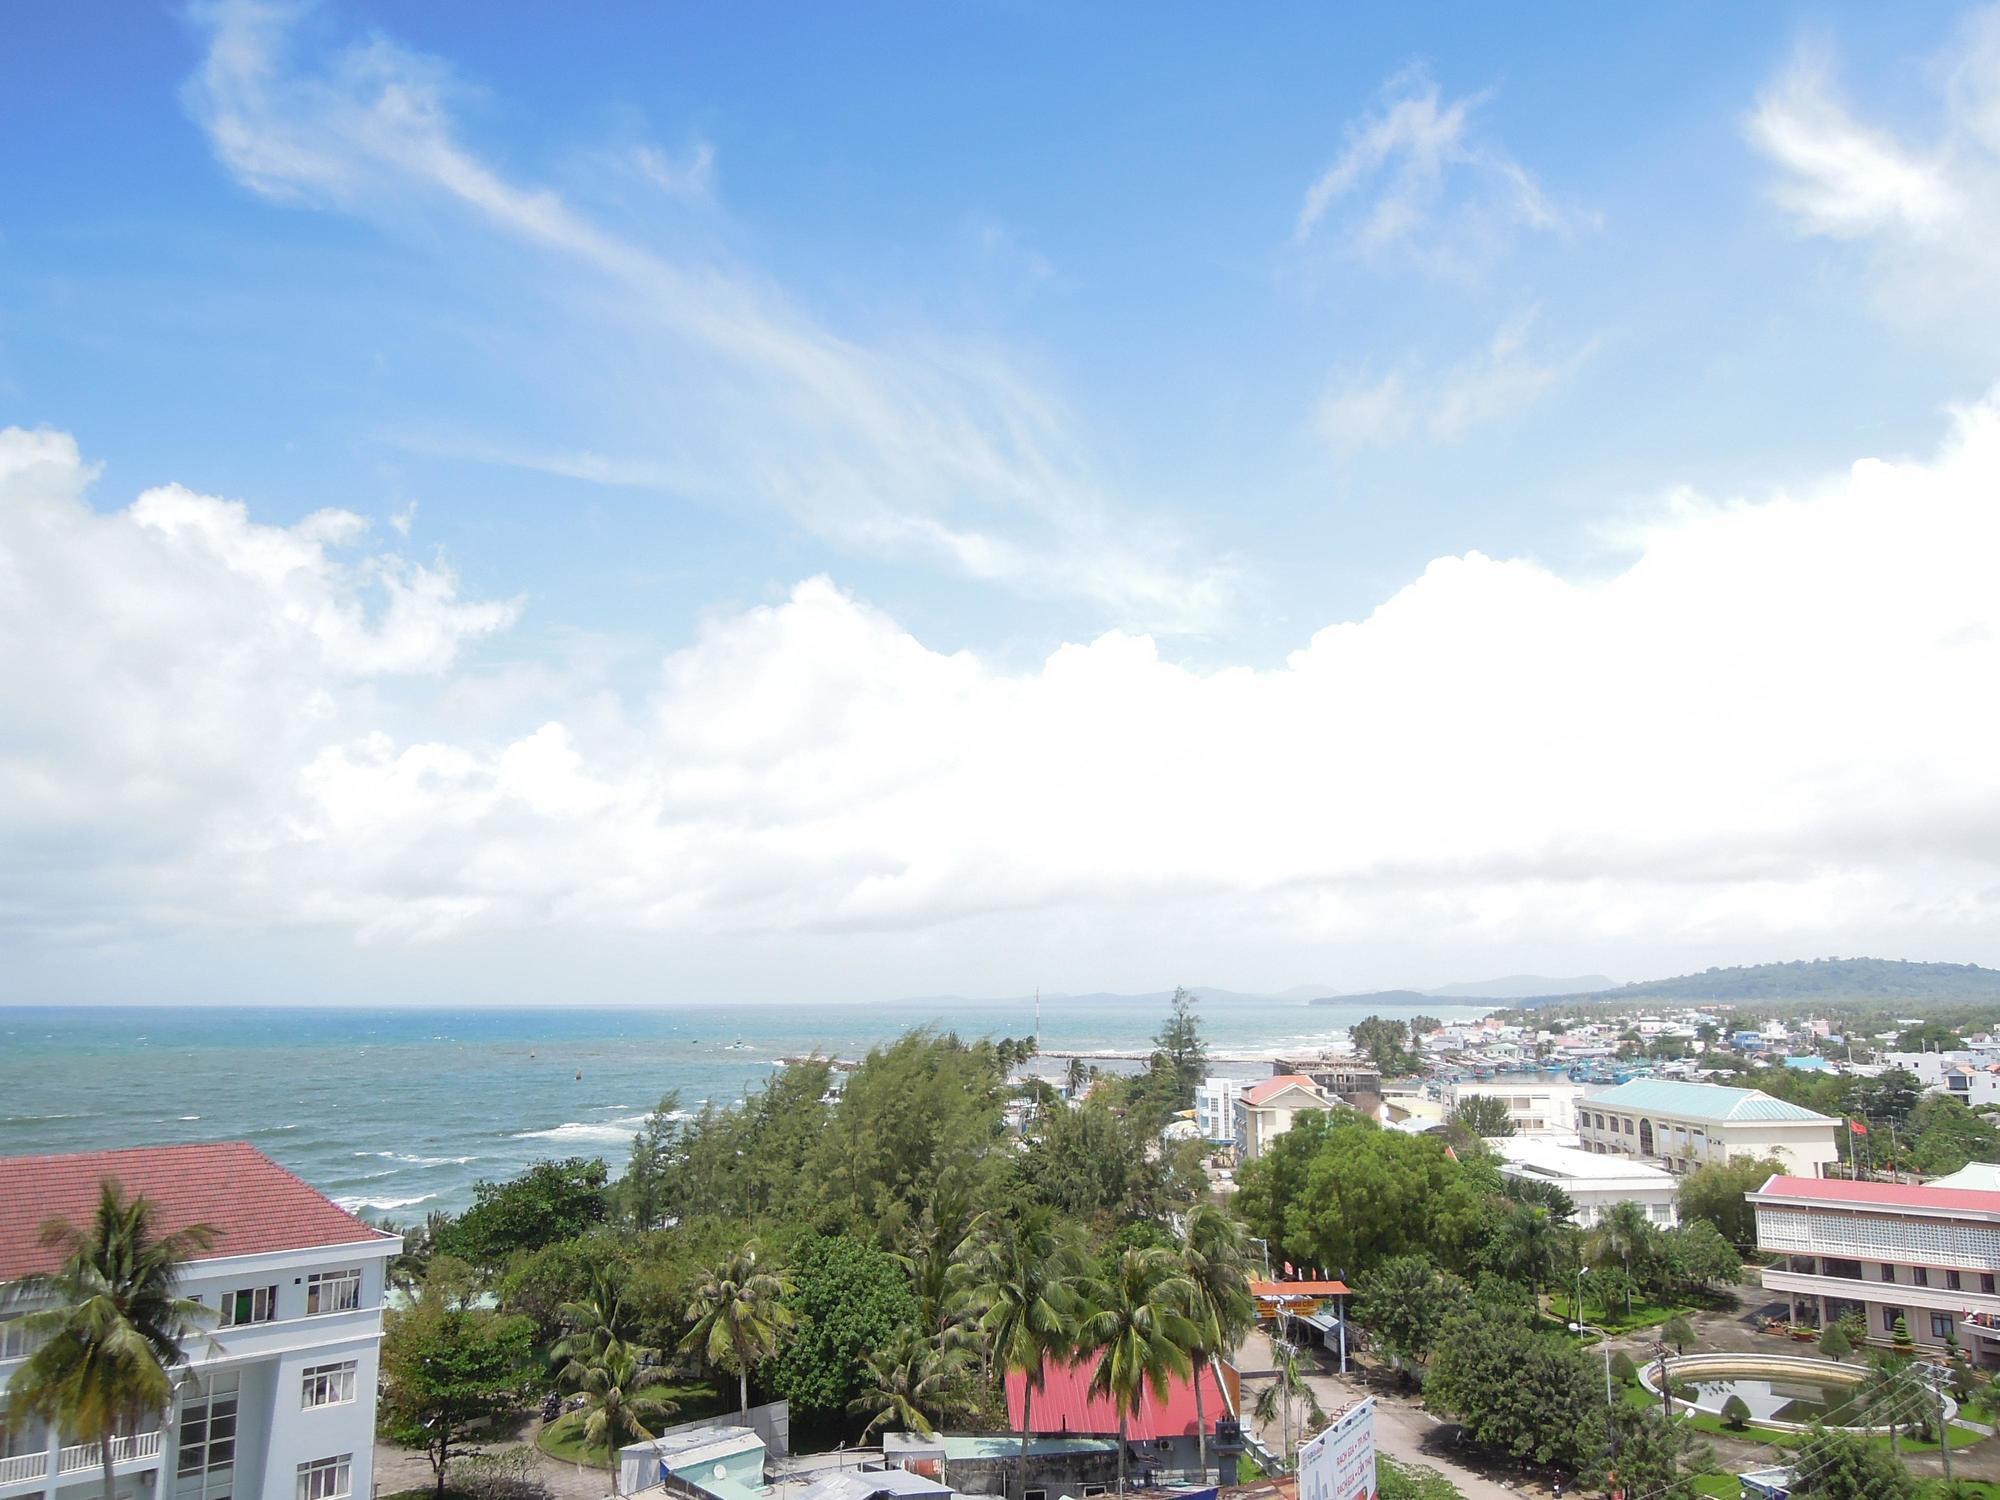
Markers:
(1686, 1125)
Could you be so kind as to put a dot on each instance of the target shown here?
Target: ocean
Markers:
(397, 1113)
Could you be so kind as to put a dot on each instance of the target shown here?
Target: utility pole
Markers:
(1666, 1389)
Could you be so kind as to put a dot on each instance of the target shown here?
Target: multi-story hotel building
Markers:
(276, 1399)
(1265, 1111)
(1686, 1125)
(1927, 1255)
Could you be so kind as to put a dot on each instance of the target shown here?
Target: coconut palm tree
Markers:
(618, 1405)
(1136, 1320)
(910, 1379)
(597, 1324)
(1020, 1290)
(109, 1322)
(1274, 1402)
(1215, 1260)
(739, 1317)
(1625, 1238)
(1075, 1076)
(933, 1253)
(1531, 1242)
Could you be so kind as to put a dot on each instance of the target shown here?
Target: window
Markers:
(332, 1291)
(327, 1385)
(1920, 1276)
(256, 1304)
(1888, 1272)
(14, 1340)
(326, 1478)
(1951, 1280)
(1986, 1282)
(1889, 1317)
(208, 1426)
(1600, 1122)
(1941, 1325)
(1628, 1127)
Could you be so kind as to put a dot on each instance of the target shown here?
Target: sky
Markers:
(694, 503)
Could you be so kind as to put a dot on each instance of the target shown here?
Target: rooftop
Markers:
(1701, 1101)
(1888, 1195)
(1270, 1088)
(866, 1484)
(254, 1205)
(1540, 1157)
(1064, 1404)
(1982, 1176)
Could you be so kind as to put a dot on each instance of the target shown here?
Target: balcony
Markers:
(23, 1466)
(1893, 1294)
(139, 1448)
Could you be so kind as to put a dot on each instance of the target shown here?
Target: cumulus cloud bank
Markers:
(1771, 719)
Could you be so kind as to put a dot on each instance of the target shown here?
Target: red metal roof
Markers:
(1882, 1194)
(1273, 1086)
(1270, 1289)
(254, 1205)
(1064, 1406)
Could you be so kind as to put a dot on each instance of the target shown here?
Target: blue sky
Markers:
(658, 347)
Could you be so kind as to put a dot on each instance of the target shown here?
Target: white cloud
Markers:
(692, 178)
(1397, 174)
(1493, 385)
(1927, 210)
(1769, 727)
(926, 448)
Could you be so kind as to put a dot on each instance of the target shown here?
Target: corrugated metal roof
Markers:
(1063, 1404)
(254, 1205)
(1700, 1101)
(1836, 1190)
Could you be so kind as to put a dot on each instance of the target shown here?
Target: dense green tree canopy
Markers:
(850, 1300)
(1833, 1465)
(1530, 1394)
(1714, 1194)
(1385, 1043)
(552, 1200)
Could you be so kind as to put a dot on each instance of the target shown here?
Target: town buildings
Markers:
(1160, 1436)
(1686, 1125)
(277, 1398)
(1595, 1183)
(1265, 1111)
(1927, 1255)
(1215, 1109)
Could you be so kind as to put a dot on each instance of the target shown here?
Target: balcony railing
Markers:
(23, 1466)
(124, 1450)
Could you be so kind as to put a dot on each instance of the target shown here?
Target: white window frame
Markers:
(264, 1297)
(327, 1385)
(333, 1292)
(327, 1478)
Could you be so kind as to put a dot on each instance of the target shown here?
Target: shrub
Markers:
(1834, 1343)
(1736, 1413)
(1623, 1368)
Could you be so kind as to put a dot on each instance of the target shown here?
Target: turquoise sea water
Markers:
(398, 1112)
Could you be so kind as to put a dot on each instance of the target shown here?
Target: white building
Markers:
(1265, 1111)
(1687, 1125)
(1535, 1105)
(1926, 1255)
(277, 1398)
(1215, 1108)
(1593, 1182)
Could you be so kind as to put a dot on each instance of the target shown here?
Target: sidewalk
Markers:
(1401, 1430)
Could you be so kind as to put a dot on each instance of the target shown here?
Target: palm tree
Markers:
(1076, 1076)
(1020, 1291)
(597, 1324)
(1888, 1395)
(933, 1252)
(1214, 1258)
(908, 1380)
(1530, 1241)
(1274, 1402)
(1625, 1236)
(110, 1322)
(618, 1405)
(1137, 1321)
(739, 1319)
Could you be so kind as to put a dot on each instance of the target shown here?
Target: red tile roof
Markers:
(1882, 1194)
(1063, 1405)
(1271, 1087)
(254, 1205)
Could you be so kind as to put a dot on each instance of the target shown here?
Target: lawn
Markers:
(1644, 1314)
(563, 1439)
(1638, 1397)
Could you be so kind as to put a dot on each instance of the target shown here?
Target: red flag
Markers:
(1857, 1127)
(1288, 1270)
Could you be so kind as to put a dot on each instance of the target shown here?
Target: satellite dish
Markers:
(722, 1471)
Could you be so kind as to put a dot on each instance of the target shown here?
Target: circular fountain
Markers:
(1787, 1392)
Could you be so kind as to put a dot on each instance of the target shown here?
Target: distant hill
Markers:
(1818, 980)
(1522, 987)
(1376, 997)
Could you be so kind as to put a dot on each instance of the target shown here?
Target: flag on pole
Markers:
(1857, 1127)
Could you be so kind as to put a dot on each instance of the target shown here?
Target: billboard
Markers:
(1339, 1464)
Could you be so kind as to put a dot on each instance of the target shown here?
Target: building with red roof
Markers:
(1266, 1110)
(1927, 1257)
(1161, 1433)
(276, 1391)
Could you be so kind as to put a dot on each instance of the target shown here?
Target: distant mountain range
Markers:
(1823, 980)
(1509, 987)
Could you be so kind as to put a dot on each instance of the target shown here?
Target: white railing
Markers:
(23, 1466)
(124, 1450)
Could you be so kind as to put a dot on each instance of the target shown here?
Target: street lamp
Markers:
(1604, 1340)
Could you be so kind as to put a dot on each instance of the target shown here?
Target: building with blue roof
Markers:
(1686, 1125)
